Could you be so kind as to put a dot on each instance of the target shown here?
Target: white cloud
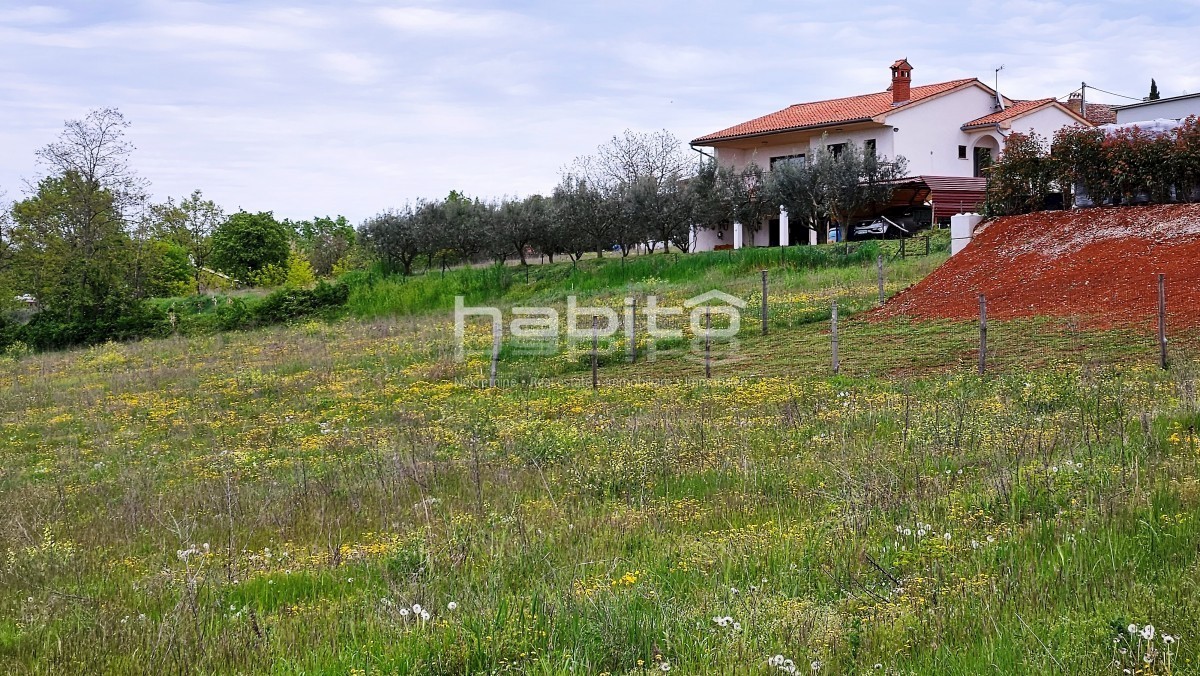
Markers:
(33, 15)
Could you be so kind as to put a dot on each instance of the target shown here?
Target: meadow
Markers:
(343, 497)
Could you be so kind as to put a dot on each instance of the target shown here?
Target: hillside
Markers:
(1097, 265)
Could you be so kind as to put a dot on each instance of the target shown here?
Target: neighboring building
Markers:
(1173, 108)
(948, 130)
(1097, 113)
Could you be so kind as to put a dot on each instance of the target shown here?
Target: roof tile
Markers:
(832, 111)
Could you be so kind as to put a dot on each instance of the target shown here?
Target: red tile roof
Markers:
(832, 111)
(1101, 113)
(1017, 109)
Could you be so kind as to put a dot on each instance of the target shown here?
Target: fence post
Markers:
(764, 303)
(1162, 320)
(879, 270)
(707, 343)
(495, 354)
(595, 351)
(632, 330)
(902, 247)
(834, 328)
(982, 333)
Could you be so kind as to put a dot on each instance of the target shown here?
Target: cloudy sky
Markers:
(312, 107)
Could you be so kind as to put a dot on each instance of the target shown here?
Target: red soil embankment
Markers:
(1099, 265)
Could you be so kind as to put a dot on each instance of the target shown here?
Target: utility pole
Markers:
(1083, 100)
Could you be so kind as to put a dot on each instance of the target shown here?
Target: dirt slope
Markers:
(1098, 265)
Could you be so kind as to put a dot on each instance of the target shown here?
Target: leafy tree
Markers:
(797, 187)
(167, 271)
(586, 216)
(397, 238)
(1154, 95)
(189, 223)
(70, 242)
(1079, 160)
(854, 181)
(246, 243)
(324, 240)
(1021, 179)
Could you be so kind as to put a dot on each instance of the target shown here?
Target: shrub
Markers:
(289, 303)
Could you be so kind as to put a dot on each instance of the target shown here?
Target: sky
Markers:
(309, 108)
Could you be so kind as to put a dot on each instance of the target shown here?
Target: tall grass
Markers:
(378, 295)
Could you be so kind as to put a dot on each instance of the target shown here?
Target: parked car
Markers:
(894, 222)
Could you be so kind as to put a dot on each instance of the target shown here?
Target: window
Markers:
(869, 147)
(836, 149)
(794, 159)
(962, 152)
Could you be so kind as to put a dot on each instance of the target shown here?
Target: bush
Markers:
(289, 303)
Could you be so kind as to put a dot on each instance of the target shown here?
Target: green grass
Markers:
(339, 473)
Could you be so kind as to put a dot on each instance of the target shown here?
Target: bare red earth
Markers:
(1098, 265)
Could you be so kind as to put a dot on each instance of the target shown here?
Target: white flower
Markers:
(404, 612)
(1148, 632)
(1132, 628)
(776, 661)
(417, 608)
(816, 665)
(879, 665)
(452, 606)
(974, 544)
(664, 667)
(920, 532)
(908, 531)
(991, 539)
(733, 590)
(424, 615)
(737, 626)
(947, 537)
(1168, 639)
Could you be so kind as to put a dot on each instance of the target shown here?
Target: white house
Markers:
(947, 131)
(1173, 108)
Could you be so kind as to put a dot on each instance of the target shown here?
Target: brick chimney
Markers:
(901, 81)
(1075, 103)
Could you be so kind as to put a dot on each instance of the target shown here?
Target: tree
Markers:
(189, 223)
(70, 239)
(1154, 95)
(796, 187)
(585, 216)
(247, 243)
(632, 156)
(854, 181)
(1020, 180)
(396, 237)
(324, 241)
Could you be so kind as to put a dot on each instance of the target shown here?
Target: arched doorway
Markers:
(986, 151)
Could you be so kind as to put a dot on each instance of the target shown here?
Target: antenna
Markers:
(999, 99)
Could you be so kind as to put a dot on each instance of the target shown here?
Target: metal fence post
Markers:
(764, 303)
(834, 330)
(879, 273)
(1162, 320)
(707, 343)
(982, 333)
(595, 351)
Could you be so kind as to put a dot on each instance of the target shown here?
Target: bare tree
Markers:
(633, 156)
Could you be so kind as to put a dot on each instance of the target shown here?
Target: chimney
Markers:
(901, 81)
(1075, 103)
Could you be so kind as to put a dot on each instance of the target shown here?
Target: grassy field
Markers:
(345, 499)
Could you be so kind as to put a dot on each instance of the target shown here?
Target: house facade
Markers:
(947, 130)
(1173, 108)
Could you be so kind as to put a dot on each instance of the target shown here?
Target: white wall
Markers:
(1169, 110)
(739, 158)
(931, 132)
(1044, 121)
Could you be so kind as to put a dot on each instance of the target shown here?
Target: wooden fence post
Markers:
(902, 247)
(707, 343)
(879, 273)
(982, 333)
(1162, 320)
(496, 331)
(834, 330)
(595, 351)
(764, 303)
